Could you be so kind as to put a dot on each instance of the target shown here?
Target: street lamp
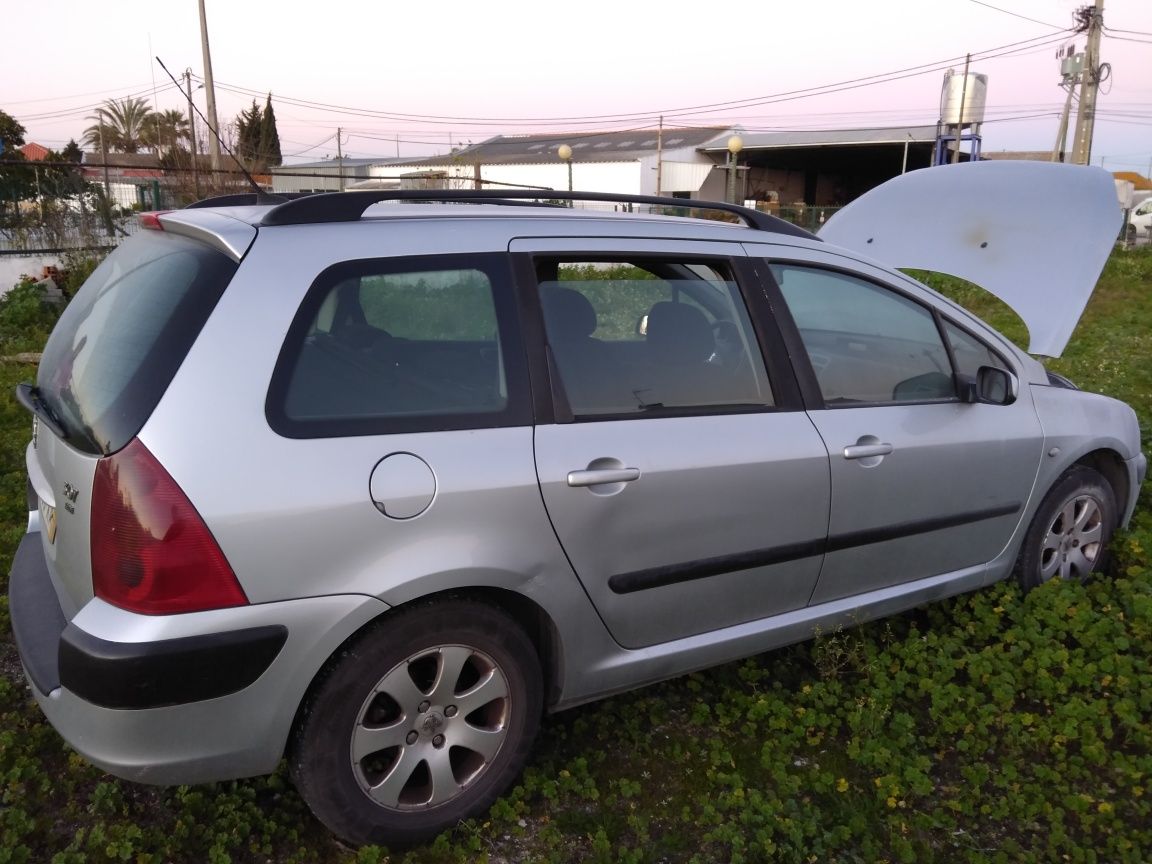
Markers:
(565, 153)
(735, 145)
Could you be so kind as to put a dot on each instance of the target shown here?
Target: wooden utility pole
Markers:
(210, 90)
(1089, 87)
(340, 157)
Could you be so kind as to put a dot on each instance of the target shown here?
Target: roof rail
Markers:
(350, 206)
(246, 199)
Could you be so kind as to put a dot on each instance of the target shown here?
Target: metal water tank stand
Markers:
(940, 153)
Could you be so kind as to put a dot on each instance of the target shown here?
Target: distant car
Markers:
(1140, 220)
(373, 488)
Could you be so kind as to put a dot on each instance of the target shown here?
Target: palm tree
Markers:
(122, 124)
(164, 130)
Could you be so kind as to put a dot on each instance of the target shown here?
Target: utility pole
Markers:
(210, 89)
(963, 109)
(1062, 133)
(192, 133)
(340, 157)
(660, 156)
(104, 159)
(1089, 87)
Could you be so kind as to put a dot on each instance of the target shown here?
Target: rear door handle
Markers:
(865, 451)
(597, 477)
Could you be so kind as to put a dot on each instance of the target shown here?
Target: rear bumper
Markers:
(112, 674)
(180, 698)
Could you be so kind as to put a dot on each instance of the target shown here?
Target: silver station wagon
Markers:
(371, 481)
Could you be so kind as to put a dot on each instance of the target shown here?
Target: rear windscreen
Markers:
(122, 338)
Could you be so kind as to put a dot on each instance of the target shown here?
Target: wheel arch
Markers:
(1110, 465)
(536, 623)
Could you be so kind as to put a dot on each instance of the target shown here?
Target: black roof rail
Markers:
(350, 206)
(247, 199)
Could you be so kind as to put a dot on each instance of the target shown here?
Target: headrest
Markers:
(567, 312)
(679, 334)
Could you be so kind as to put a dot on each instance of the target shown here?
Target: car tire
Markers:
(1070, 532)
(421, 722)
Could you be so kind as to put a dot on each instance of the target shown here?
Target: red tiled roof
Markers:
(33, 152)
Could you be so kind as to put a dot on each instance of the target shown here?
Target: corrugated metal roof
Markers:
(586, 147)
(829, 138)
(335, 163)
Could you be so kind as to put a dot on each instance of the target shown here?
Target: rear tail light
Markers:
(151, 551)
(151, 220)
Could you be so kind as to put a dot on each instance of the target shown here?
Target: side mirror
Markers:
(990, 386)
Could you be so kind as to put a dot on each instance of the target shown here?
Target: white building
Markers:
(672, 163)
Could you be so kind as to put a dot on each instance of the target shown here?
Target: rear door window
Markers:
(650, 336)
(122, 338)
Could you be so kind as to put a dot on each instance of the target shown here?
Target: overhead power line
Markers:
(76, 95)
(1014, 14)
(1108, 29)
(1108, 35)
(714, 107)
(87, 109)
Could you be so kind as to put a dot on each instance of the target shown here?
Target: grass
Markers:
(995, 727)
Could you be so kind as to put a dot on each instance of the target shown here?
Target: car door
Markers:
(923, 484)
(687, 487)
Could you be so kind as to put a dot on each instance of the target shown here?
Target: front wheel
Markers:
(1071, 530)
(420, 723)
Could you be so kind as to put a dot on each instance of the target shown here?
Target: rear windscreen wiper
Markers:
(29, 396)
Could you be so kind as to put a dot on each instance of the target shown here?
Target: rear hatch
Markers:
(106, 365)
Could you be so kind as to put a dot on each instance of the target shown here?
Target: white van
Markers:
(1140, 220)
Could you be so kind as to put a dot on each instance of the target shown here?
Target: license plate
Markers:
(48, 522)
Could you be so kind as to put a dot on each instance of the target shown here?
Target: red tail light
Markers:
(151, 220)
(151, 551)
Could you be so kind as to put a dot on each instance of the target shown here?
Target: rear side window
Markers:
(122, 338)
(401, 345)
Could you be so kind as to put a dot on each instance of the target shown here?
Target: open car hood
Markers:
(1035, 234)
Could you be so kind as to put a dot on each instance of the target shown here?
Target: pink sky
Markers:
(539, 67)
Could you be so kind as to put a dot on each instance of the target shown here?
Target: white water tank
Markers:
(962, 102)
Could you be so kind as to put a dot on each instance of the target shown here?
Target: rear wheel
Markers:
(422, 722)
(1069, 535)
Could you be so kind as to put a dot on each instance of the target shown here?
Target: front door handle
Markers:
(866, 451)
(600, 476)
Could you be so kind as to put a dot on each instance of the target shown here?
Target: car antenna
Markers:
(260, 193)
